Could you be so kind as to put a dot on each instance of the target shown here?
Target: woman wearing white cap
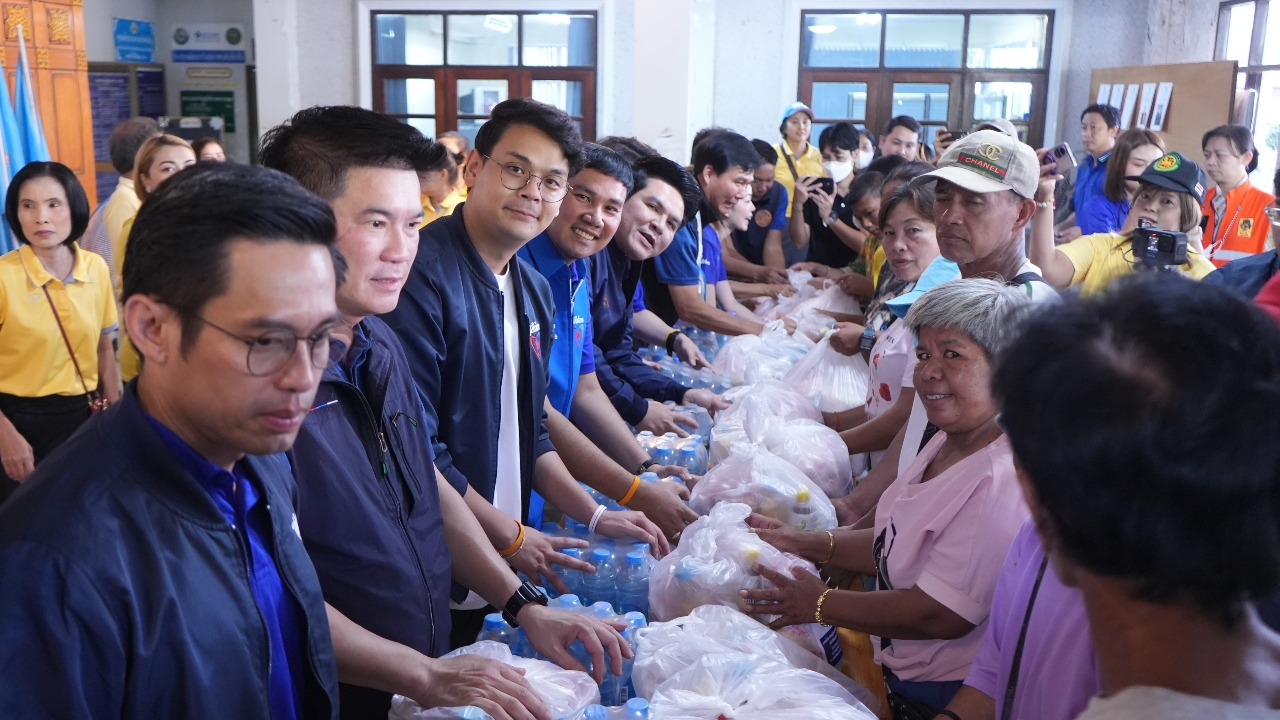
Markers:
(797, 157)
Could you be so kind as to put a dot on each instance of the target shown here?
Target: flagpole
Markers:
(26, 74)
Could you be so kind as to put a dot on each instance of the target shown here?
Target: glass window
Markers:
(842, 40)
(1266, 130)
(923, 41)
(410, 39)
(1271, 40)
(564, 94)
(477, 97)
(483, 40)
(1008, 100)
(845, 100)
(554, 39)
(1239, 32)
(427, 126)
(1007, 41)
(410, 96)
(922, 101)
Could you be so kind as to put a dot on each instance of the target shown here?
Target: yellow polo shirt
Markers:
(809, 163)
(1101, 258)
(121, 206)
(34, 361)
(447, 205)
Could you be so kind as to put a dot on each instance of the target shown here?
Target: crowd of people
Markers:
(1071, 502)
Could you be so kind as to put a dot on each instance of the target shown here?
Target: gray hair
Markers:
(988, 311)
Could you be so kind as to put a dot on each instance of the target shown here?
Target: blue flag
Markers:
(14, 149)
(34, 146)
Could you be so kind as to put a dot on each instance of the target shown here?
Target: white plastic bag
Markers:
(831, 298)
(732, 357)
(838, 382)
(779, 399)
(813, 325)
(788, 304)
(566, 693)
(815, 449)
(751, 687)
(767, 484)
(712, 563)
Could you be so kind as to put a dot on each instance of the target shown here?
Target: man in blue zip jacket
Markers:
(379, 523)
(151, 566)
(476, 323)
(587, 431)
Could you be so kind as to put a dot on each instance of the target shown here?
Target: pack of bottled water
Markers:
(634, 709)
(616, 689)
(670, 449)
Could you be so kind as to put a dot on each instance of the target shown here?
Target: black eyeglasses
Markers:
(269, 352)
(515, 177)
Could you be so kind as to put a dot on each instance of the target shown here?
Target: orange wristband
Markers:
(511, 551)
(635, 485)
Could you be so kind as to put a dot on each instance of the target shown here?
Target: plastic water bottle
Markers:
(568, 603)
(663, 454)
(616, 553)
(495, 629)
(646, 553)
(688, 459)
(635, 621)
(572, 577)
(595, 712)
(646, 440)
(520, 645)
(582, 532)
(649, 477)
(802, 510)
(633, 585)
(598, 586)
(637, 709)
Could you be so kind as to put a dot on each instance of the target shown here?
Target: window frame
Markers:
(519, 77)
(881, 79)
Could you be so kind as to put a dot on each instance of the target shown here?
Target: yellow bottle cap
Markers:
(802, 495)
(751, 554)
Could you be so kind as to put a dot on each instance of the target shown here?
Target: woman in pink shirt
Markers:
(943, 528)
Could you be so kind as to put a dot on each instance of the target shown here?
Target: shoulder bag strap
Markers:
(65, 340)
(795, 175)
(1012, 688)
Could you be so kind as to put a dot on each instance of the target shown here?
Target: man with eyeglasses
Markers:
(384, 530)
(477, 325)
(151, 567)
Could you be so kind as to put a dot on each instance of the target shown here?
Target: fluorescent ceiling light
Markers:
(822, 29)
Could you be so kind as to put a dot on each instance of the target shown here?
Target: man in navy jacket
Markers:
(151, 566)
(476, 323)
(380, 524)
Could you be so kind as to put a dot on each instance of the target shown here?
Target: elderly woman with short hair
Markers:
(943, 528)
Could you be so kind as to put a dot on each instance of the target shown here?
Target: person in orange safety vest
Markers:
(1235, 209)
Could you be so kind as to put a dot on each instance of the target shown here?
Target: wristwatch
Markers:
(528, 593)
(832, 218)
(644, 466)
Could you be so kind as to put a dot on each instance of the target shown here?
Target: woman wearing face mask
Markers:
(1237, 210)
(1169, 195)
(822, 220)
(866, 150)
(797, 157)
(1106, 212)
(910, 242)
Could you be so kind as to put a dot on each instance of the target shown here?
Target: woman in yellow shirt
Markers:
(55, 299)
(796, 157)
(438, 180)
(159, 159)
(1169, 195)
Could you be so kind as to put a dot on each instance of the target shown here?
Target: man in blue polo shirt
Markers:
(1099, 126)
(664, 197)
(597, 443)
(676, 286)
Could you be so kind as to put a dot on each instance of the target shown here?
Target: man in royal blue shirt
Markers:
(597, 443)
(151, 567)
(676, 285)
(1099, 126)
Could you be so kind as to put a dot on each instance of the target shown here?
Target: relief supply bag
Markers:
(833, 381)
(768, 485)
(566, 693)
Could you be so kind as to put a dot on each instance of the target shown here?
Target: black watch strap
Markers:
(671, 341)
(644, 466)
(527, 593)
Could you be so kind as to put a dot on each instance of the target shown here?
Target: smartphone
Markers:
(828, 185)
(952, 136)
(1060, 155)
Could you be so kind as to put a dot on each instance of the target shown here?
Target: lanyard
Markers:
(1220, 232)
(702, 275)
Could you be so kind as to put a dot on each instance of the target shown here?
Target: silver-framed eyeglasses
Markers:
(269, 352)
(514, 176)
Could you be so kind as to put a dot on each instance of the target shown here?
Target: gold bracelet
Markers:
(831, 553)
(817, 615)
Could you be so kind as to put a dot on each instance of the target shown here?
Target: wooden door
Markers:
(54, 31)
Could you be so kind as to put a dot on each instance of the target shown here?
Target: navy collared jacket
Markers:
(622, 374)
(450, 322)
(124, 591)
(369, 507)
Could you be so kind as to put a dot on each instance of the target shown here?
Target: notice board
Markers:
(1203, 98)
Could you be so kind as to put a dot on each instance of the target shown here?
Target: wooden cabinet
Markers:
(54, 31)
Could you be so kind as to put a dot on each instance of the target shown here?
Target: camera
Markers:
(1156, 249)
